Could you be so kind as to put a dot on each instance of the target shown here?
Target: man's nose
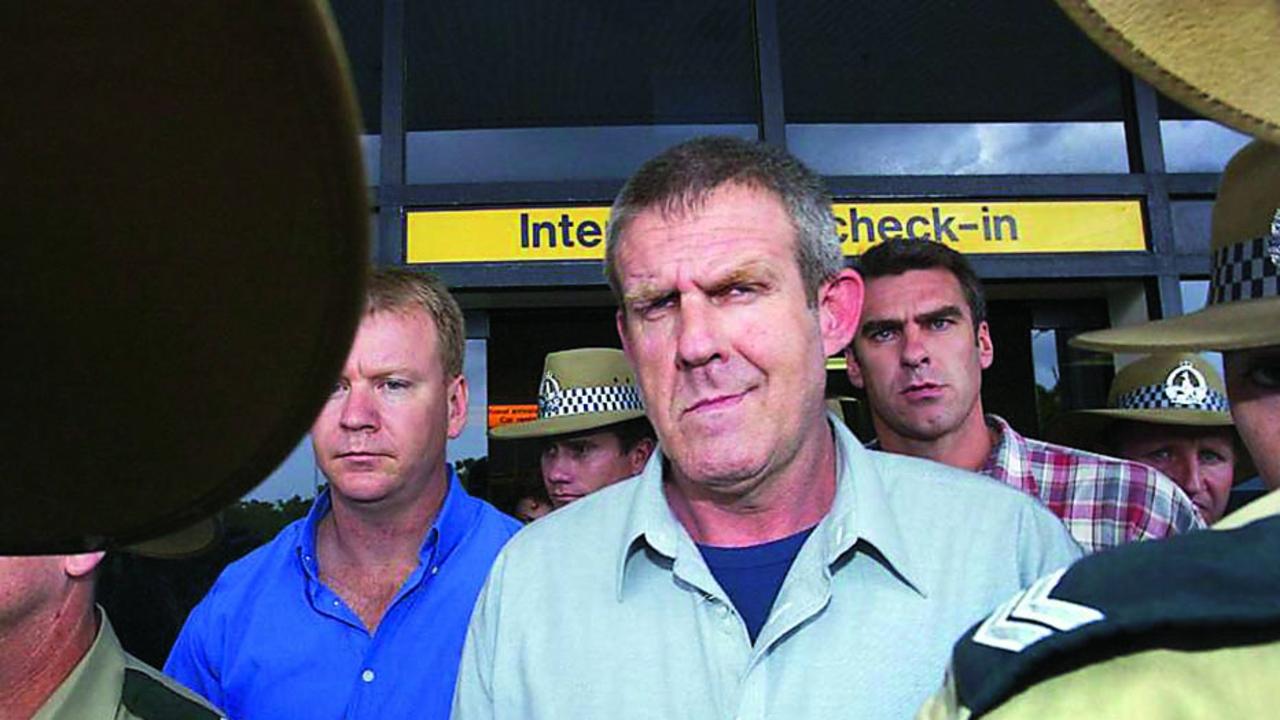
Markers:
(556, 470)
(698, 337)
(359, 409)
(1187, 466)
(914, 352)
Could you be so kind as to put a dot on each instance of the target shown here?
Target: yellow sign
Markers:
(974, 227)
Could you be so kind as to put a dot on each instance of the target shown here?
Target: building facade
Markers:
(497, 133)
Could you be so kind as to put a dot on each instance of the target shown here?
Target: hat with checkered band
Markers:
(1243, 308)
(581, 389)
(1165, 389)
(1216, 58)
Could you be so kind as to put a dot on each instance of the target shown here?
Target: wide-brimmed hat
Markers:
(1243, 308)
(1165, 389)
(184, 543)
(1218, 59)
(186, 241)
(581, 390)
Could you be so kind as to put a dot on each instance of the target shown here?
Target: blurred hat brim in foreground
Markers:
(186, 222)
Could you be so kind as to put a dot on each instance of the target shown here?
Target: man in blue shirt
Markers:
(359, 609)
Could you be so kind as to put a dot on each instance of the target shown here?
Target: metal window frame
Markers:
(1160, 268)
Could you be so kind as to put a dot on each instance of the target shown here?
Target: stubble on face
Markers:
(727, 349)
(919, 358)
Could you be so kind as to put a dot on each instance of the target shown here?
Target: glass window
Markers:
(916, 87)
(474, 440)
(1044, 355)
(491, 68)
(360, 23)
(1194, 144)
(565, 153)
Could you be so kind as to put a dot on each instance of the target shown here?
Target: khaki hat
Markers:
(1244, 285)
(186, 223)
(1217, 58)
(1167, 389)
(580, 390)
(188, 542)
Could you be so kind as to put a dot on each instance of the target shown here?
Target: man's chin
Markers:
(721, 473)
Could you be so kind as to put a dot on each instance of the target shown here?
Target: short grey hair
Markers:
(679, 181)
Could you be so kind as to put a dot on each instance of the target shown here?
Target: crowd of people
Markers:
(711, 540)
(721, 544)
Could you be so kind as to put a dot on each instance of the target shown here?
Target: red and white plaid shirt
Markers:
(1103, 501)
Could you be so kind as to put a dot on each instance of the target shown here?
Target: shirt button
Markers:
(367, 676)
(435, 570)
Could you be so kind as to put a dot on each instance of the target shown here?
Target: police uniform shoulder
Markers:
(148, 694)
(1200, 591)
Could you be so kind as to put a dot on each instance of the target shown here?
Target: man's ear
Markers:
(81, 565)
(458, 395)
(986, 349)
(852, 368)
(638, 455)
(839, 310)
(620, 320)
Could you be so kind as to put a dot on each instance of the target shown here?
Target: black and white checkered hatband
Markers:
(1156, 397)
(1247, 270)
(554, 401)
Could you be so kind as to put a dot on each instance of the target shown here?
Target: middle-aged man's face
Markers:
(1201, 460)
(917, 355)
(578, 465)
(382, 432)
(1253, 386)
(729, 355)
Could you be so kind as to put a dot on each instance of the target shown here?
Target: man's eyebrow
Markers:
(871, 327)
(644, 295)
(942, 313)
(753, 271)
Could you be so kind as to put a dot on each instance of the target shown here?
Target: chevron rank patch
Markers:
(1201, 591)
(1031, 616)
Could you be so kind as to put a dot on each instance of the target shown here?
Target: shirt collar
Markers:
(860, 512)
(1007, 461)
(452, 521)
(92, 690)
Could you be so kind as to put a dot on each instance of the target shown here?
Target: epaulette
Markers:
(1199, 591)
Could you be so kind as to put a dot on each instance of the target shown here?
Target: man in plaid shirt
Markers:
(919, 354)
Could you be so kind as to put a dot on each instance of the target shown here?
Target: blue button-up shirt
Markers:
(272, 641)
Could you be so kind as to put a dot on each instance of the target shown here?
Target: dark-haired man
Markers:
(590, 423)
(1187, 628)
(919, 354)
